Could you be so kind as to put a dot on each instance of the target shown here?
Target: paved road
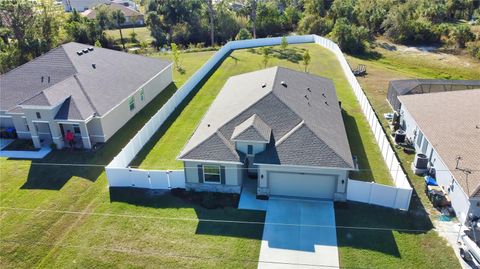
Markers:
(308, 241)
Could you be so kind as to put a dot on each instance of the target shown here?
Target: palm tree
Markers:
(212, 22)
(119, 18)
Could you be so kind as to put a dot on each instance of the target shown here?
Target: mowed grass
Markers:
(162, 151)
(143, 34)
(55, 216)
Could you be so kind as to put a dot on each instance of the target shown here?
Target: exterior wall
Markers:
(5, 120)
(21, 123)
(445, 179)
(243, 146)
(47, 115)
(116, 118)
(342, 175)
(95, 130)
(233, 178)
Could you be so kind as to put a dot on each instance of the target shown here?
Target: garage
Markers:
(302, 184)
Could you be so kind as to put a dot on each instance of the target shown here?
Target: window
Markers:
(131, 103)
(38, 115)
(76, 128)
(425, 146)
(142, 95)
(26, 125)
(249, 149)
(211, 173)
(419, 138)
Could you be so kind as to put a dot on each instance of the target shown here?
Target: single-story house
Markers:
(445, 126)
(82, 5)
(282, 127)
(132, 17)
(397, 88)
(90, 91)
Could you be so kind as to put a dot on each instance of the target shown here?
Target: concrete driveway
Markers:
(299, 234)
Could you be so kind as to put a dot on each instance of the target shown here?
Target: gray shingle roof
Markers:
(252, 129)
(94, 90)
(306, 99)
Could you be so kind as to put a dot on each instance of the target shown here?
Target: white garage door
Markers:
(302, 184)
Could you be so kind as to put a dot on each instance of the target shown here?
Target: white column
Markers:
(34, 134)
(85, 136)
(56, 134)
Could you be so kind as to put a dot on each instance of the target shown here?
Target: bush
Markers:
(243, 34)
(474, 49)
(349, 37)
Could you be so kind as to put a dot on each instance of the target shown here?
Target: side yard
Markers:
(161, 152)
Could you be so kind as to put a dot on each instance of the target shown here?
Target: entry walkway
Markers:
(248, 197)
(299, 234)
(23, 154)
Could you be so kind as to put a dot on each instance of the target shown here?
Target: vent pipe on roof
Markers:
(79, 52)
(94, 66)
(284, 84)
(308, 89)
(42, 79)
(85, 50)
(90, 48)
(264, 85)
(48, 79)
(323, 94)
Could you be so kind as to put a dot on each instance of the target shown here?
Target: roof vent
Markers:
(85, 50)
(306, 96)
(208, 125)
(94, 66)
(326, 103)
(48, 79)
(284, 84)
(323, 94)
(42, 79)
(79, 52)
(264, 85)
(90, 48)
(308, 89)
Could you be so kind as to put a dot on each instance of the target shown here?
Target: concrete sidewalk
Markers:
(299, 234)
(20, 154)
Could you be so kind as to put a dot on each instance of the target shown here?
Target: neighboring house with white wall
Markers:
(283, 127)
(445, 126)
(90, 91)
(82, 5)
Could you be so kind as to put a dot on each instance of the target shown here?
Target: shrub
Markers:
(209, 200)
(349, 37)
(243, 34)
(474, 49)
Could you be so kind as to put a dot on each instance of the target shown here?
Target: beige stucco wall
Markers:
(117, 117)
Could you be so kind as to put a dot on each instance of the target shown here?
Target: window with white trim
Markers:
(211, 174)
(131, 103)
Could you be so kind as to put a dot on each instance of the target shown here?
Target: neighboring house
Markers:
(445, 126)
(88, 90)
(282, 126)
(82, 5)
(132, 17)
(418, 86)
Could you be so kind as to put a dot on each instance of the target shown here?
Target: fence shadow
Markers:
(380, 224)
(89, 164)
(230, 221)
(358, 148)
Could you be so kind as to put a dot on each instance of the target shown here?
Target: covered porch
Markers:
(81, 137)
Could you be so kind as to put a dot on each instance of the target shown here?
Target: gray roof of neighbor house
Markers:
(298, 113)
(450, 121)
(127, 11)
(94, 82)
(419, 86)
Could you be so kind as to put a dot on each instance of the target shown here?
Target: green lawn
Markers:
(161, 152)
(143, 34)
(40, 225)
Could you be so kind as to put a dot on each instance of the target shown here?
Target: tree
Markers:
(284, 43)
(243, 34)
(315, 7)
(343, 9)
(211, 15)
(103, 17)
(306, 59)
(176, 56)
(119, 19)
(252, 8)
(226, 26)
(266, 56)
(462, 34)
(50, 18)
(371, 13)
(268, 22)
(157, 29)
(350, 38)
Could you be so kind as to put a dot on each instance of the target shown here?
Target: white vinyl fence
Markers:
(120, 175)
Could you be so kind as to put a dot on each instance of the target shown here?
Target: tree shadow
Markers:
(59, 166)
(227, 221)
(291, 54)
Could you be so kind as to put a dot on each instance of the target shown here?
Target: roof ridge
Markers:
(289, 133)
(85, 93)
(26, 100)
(328, 145)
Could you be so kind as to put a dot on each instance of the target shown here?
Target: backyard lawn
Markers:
(162, 151)
(143, 34)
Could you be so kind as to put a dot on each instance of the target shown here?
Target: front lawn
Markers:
(376, 237)
(162, 151)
